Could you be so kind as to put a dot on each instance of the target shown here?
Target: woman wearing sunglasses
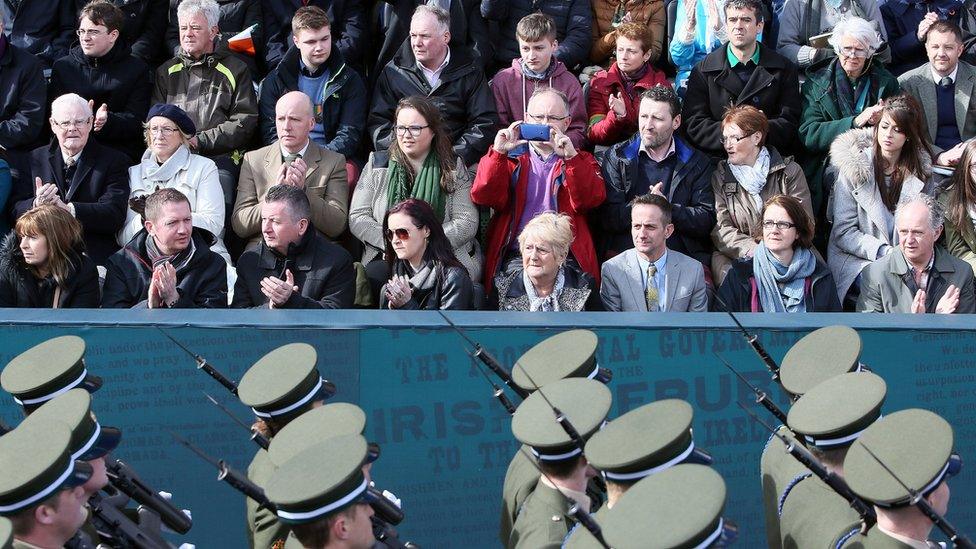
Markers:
(751, 175)
(420, 164)
(425, 273)
(784, 275)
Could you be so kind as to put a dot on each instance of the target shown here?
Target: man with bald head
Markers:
(294, 159)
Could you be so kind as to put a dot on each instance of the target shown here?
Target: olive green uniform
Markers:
(544, 520)
(263, 528)
(779, 471)
(520, 480)
(816, 516)
(876, 539)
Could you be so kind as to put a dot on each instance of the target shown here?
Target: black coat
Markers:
(23, 99)
(20, 288)
(468, 29)
(145, 26)
(463, 97)
(44, 28)
(574, 27)
(99, 192)
(774, 88)
(446, 288)
(323, 273)
(343, 105)
(235, 16)
(580, 292)
(736, 290)
(348, 19)
(119, 80)
(690, 194)
(202, 283)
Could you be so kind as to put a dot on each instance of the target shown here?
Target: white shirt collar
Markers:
(951, 75)
(434, 76)
(301, 152)
(75, 157)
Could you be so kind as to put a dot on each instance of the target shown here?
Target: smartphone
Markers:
(534, 132)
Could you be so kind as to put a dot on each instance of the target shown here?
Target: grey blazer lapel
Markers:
(671, 277)
(635, 280)
(929, 101)
(965, 82)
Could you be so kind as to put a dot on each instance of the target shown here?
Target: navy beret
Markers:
(174, 113)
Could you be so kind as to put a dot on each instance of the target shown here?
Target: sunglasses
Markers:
(401, 233)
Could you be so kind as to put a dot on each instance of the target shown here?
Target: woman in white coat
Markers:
(876, 168)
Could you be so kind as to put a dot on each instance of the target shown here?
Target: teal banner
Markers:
(445, 441)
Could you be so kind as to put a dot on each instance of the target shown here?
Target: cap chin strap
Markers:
(840, 441)
(91, 442)
(713, 536)
(50, 489)
(656, 469)
(59, 392)
(308, 515)
(556, 457)
(285, 410)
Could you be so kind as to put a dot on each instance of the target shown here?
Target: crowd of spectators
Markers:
(532, 155)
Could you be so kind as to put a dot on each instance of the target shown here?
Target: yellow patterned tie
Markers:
(652, 291)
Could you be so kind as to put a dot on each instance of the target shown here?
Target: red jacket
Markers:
(581, 190)
(605, 127)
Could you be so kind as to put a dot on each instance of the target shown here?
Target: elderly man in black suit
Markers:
(74, 172)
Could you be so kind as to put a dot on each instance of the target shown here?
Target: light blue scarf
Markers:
(770, 274)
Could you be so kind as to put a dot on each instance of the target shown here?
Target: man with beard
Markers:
(657, 161)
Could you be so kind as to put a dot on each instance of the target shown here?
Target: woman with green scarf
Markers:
(841, 93)
(420, 164)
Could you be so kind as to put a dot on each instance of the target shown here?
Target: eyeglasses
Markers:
(65, 124)
(89, 32)
(162, 130)
(402, 233)
(854, 53)
(734, 140)
(546, 117)
(414, 131)
(781, 225)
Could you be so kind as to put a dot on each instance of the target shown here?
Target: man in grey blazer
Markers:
(649, 276)
(945, 87)
(918, 276)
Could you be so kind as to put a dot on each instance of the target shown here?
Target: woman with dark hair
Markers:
(784, 275)
(426, 275)
(960, 206)
(752, 174)
(876, 167)
(43, 263)
(420, 164)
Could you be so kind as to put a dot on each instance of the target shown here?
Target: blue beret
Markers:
(174, 113)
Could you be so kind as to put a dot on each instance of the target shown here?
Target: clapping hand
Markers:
(617, 105)
(162, 287)
(278, 291)
(398, 291)
(293, 174)
(950, 300)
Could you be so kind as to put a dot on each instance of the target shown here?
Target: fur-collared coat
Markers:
(860, 231)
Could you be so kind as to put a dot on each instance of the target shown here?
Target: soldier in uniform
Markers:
(679, 507)
(6, 534)
(817, 357)
(47, 370)
(916, 445)
(544, 519)
(643, 442)
(323, 424)
(565, 355)
(325, 502)
(279, 387)
(828, 419)
(41, 485)
(90, 441)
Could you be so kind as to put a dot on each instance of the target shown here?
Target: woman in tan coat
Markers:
(609, 14)
(751, 175)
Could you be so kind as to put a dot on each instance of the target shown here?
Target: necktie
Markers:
(291, 158)
(652, 291)
(945, 82)
(69, 170)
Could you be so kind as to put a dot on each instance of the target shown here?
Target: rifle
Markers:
(109, 520)
(256, 435)
(488, 360)
(959, 539)
(761, 396)
(202, 364)
(836, 483)
(125, 479)
(752, 340)
(229, 475)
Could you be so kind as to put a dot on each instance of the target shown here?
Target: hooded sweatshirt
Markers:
(512, 90)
